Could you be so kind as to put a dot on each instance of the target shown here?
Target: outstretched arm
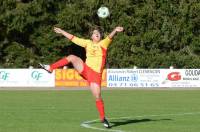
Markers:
(74, 39)
(117, 29)
(64, 33)
(106, 42)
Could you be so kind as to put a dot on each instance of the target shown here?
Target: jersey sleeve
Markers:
(106, 42)
(79, 41)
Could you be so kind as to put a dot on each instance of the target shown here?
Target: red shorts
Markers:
(90, 75)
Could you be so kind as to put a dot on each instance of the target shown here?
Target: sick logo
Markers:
(174, 76)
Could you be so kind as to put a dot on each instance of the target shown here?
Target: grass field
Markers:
(65, 111)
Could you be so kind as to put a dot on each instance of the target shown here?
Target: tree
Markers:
(157, 33)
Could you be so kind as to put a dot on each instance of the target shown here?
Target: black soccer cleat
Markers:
(106, 123)
(45, 67)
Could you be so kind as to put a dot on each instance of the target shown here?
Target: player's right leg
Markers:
(76, 62)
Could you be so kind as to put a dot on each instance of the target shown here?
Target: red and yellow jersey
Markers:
(95, 52)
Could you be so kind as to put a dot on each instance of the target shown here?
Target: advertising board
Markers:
(153, 78)
(26, 78)
(71, 78)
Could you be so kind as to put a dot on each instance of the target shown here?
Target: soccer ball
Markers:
(103, 12)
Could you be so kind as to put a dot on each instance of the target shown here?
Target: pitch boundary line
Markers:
(86, 124)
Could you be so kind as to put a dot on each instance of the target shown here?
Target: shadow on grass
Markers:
(133, 121)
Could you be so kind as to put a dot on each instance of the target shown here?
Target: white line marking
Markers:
(86, 124)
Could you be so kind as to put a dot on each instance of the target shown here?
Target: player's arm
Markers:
(113, 33)
(64, 33)
(74, 39)
(105, 43)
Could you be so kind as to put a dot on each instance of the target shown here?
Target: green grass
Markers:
(64, 111)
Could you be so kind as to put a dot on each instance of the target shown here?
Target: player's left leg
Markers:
(96, 91)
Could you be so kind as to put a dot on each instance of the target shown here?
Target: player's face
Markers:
(96, 36)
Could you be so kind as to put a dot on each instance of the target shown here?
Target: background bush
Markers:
(158, 33)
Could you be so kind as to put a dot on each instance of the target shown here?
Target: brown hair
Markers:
(98, 29)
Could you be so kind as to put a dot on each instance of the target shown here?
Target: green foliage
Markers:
(15, 56)
(157, 34)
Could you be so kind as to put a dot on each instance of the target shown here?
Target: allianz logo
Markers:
(4, 75)
(36, 75)
(134, 78)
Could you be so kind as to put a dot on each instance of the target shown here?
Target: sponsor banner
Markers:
(181, 78)
(133, 77)
(153, 78)
(41, 78)
(71, 78)
(26, 78)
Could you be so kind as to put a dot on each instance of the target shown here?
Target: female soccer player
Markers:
(91, 70)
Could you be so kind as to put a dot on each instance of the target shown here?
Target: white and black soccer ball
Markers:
(103, 12)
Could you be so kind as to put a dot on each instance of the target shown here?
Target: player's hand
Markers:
(58, 30)
(119, 29)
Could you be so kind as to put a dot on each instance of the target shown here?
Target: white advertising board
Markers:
(153, 78)
(181, 78)
(26, 78)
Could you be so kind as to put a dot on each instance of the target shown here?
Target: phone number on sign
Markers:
(133, 85)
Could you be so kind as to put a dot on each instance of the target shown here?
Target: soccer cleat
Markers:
(106, 123)
(45, 67)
